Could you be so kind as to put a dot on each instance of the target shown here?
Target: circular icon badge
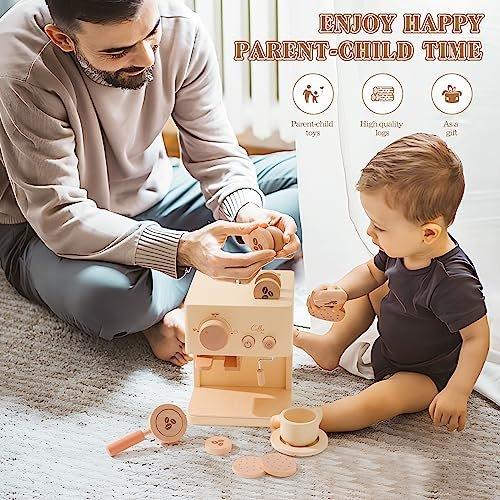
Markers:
(451, 93)
(313, 93)
(382, 93)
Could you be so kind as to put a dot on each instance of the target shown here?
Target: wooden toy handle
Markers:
(127, 441)
(274, 422)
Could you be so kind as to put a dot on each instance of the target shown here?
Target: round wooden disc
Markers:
(266, 289)
(278, 465)
(277, 235)
(249, 467)
(325, 313)
(331, 297)
(270, 276)
(168, 423)
(259, 239)
(218, 445)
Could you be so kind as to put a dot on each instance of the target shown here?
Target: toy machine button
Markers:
(269, 342)
(214, 334)
(248, 341)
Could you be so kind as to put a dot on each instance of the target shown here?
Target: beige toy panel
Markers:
(245, 375)
(242, 331)
(225, 319)
(207, 291)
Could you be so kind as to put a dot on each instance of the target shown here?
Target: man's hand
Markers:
(202, 249)
(253, 213)
(449, 408)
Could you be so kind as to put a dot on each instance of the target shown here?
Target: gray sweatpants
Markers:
(112, 300)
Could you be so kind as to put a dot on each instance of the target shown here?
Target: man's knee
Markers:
(276, 171)
(108, 303)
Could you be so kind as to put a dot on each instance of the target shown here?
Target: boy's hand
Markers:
(327, 302)
(449, 408)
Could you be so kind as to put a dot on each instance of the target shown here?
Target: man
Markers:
(95, 223)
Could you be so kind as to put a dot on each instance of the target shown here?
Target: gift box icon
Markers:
(451, 94)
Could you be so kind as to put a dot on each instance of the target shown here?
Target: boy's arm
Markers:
(327, 301)
(475, 346)
(449, 407)
(362, 280)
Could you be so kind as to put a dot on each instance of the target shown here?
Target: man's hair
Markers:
(67, 13)
(421, 176)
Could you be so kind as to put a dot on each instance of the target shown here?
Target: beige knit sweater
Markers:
(78, 159)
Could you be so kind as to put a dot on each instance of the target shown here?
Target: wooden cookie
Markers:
(278, 465)
(277, 235)
(325, 313)
(249, 467)
(259, 239)
(332, 297)
(218, 445)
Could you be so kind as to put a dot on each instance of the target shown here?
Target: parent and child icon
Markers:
(309, 92)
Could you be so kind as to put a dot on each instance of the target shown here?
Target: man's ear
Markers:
(59, 38)
(431, 232)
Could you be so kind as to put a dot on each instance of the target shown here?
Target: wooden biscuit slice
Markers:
(332, 297)
(249, 467)
(278, 465)
(325, 313)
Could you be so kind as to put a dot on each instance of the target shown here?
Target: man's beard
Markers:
(117, 79)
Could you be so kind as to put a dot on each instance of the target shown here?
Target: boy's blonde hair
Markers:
(421, 176)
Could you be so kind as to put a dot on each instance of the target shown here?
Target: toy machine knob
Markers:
(214, 334)
(268, 342)
(248, 341)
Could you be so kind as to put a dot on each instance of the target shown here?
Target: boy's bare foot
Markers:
(166, 338)
(320, 347)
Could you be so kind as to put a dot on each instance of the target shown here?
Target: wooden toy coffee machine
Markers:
(240, 335)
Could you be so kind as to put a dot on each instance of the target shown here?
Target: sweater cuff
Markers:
(232, 203)
(157, 249)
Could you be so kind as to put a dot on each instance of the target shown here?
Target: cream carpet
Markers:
(64, 395)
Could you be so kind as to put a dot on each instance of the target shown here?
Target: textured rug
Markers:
(64, 395)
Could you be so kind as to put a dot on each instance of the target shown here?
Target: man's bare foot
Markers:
(320, 347)
(166, 338)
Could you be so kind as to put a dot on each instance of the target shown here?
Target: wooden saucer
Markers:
(299, 451)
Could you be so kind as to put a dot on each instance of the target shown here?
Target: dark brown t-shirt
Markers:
(426, 308)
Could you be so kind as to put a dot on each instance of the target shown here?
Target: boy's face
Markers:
(389, 229)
